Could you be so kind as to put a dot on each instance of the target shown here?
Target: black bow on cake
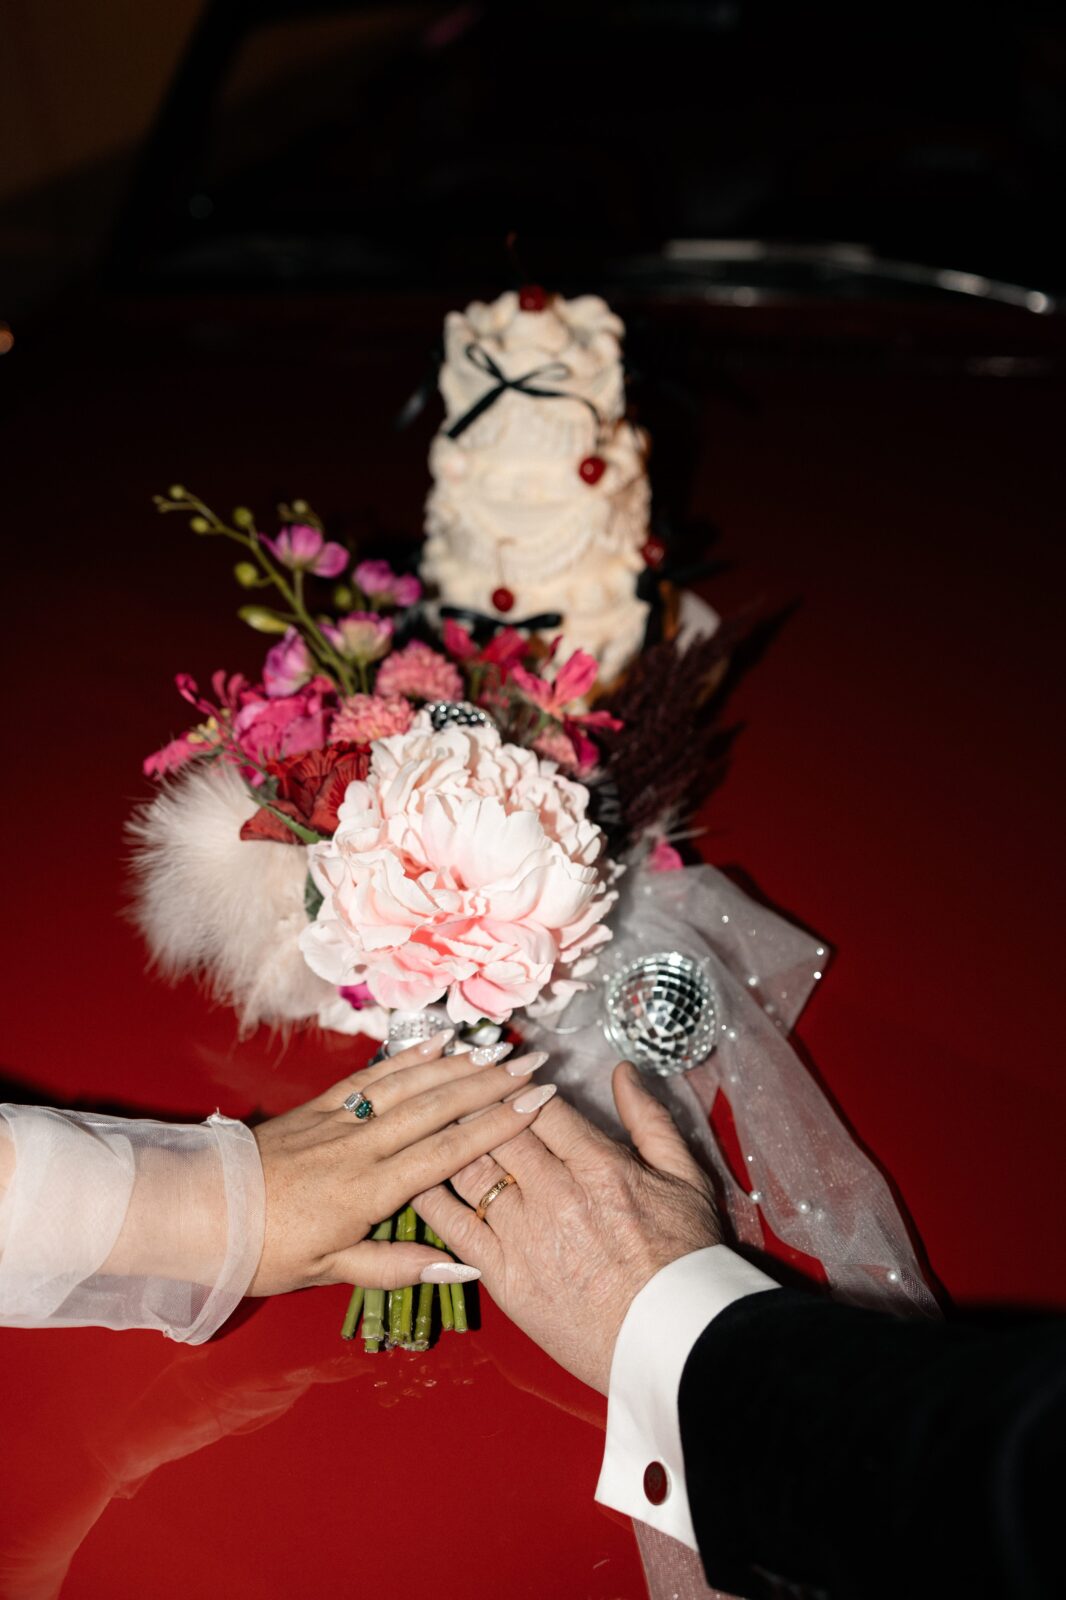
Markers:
(552, 372)
(482, 626)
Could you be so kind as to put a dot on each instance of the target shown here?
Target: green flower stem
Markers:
(292, 593)
(458, 1306)
(351, 1316)
(407, 1230)
(374, 1301)
(447, 1303)
(423, 1318)
(395, 1332)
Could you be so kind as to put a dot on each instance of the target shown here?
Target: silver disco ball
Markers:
(661, 1012)
(457, 713)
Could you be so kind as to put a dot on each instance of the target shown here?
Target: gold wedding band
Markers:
(491, 1194)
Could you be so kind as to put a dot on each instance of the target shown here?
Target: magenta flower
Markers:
(361, 636)
(289, 725)
(420, 672)
(288, 665)
(357, 995)
(407, 590)
(664, 858)
(306, 549)
(377, 580)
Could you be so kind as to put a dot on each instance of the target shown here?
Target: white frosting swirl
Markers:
(509, 507)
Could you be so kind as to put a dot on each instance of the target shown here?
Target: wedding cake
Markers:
(540, 500)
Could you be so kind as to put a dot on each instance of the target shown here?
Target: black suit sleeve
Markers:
(859, 1455)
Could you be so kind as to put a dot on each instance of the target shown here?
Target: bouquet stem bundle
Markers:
(394, 1318)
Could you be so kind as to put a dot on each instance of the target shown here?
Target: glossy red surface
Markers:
(894, 788)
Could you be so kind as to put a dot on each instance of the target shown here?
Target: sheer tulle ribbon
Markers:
(803, 1170)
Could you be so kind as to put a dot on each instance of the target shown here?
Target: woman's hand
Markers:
(586, 1224)
(331, 1178)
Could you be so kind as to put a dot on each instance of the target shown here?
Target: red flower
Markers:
(310, 789)
(504, 650)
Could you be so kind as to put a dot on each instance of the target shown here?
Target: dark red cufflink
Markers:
(656, 1482)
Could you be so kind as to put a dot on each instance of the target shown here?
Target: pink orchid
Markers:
(306, 549)
(407, 590)
(361, 636)
(377, 579)
(572, 682)
(230, 693)
(288, 665)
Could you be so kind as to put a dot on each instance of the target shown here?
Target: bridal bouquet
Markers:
(378, 825)
(392, 826)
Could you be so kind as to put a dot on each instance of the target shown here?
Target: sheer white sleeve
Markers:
(126, 1224)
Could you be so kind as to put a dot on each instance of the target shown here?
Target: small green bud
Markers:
(343, 597)
(242, 517)
(178, 491)
(300, 507)
(246, 574)
(262, 619)
(200, 525)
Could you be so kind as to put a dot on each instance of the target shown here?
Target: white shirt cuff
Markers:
(643, 1428)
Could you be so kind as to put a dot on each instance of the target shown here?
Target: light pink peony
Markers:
(421, 672)
(465, 868)
(363, 718)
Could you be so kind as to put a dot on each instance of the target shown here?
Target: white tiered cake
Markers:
(540, 500)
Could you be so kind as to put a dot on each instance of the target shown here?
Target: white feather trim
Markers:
(229, 910)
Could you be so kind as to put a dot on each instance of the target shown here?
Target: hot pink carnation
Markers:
(365, 717)
(286, 725)
(421, 672)
(465, 868)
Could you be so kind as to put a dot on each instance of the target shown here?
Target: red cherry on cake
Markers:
(531, 297)
(654, 552)
(592, 469)
(502, 599)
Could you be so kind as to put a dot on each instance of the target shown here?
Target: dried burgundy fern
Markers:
(672, 751)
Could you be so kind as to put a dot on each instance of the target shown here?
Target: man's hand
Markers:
(565, 1248)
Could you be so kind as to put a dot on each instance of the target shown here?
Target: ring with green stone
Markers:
(358, 1104)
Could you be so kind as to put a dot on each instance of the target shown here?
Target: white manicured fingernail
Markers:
(527, 1064)
(487, 1055)
(534, 1099)
(433, 1045)
(448, 1272)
